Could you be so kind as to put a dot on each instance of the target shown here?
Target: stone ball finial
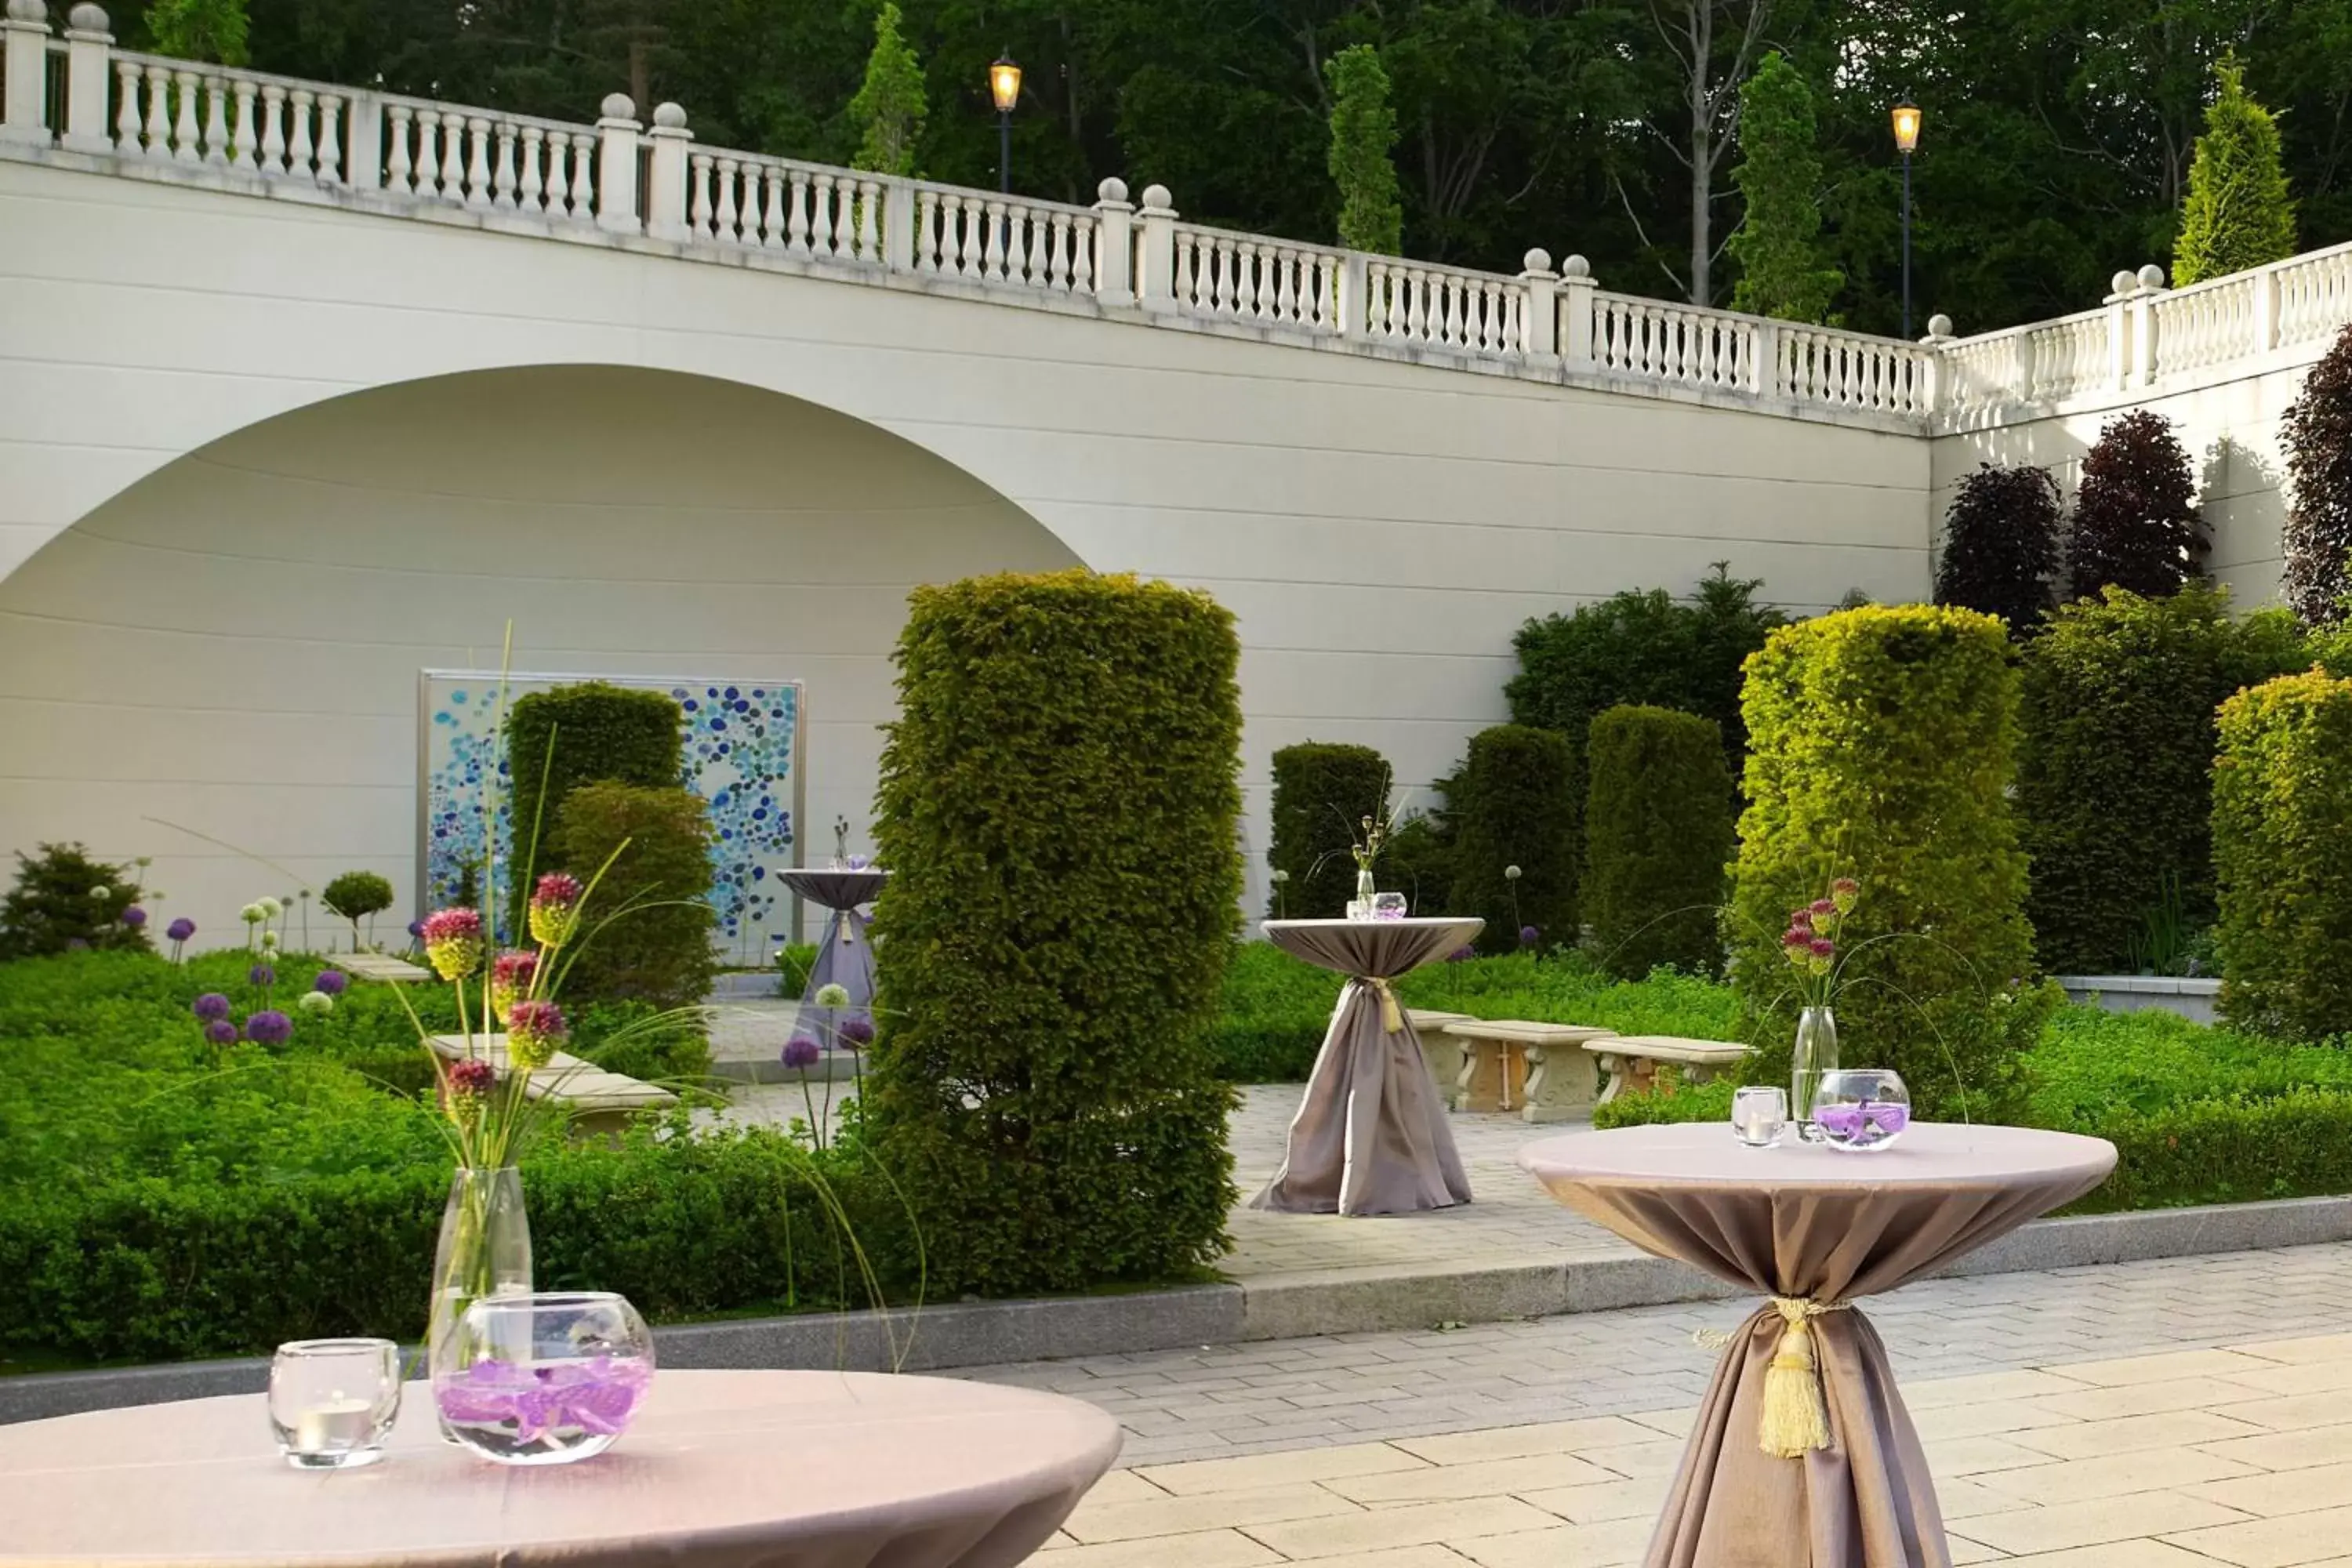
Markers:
(1156, 197)
(2151, 276)
(1939, 326)
(1111, 190)
(669, 116)
(1537, 260)
(86, 18)
(1575, 266)
(618, 106)
(2121, 283)
(28, 11)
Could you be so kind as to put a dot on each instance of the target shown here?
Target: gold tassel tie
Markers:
(1391, 1015)
(1796, 1419)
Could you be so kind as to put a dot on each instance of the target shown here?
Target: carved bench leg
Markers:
(1615, 1065)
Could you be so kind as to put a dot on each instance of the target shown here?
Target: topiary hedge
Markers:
(2001, 545)
(2114, 790)
(1322, 792)
(1658, 832)
(647, 931)
(600, 733)
(1515, 805)
(2282, 855)
(2136, 524)
(1058, 805)
(1882, 741)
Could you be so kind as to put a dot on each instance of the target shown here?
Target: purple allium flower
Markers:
(801, 1052)
(181, 929)
(221, 1032)
(472, 1077)
(416, 928)
(269, 1027)
(261, 974)
(1529, 936)
(331, 982)
(134, 917)
(211, 1004)
(1462, 954)
(856, 1033)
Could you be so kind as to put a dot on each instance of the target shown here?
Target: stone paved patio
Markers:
(2170, 1415)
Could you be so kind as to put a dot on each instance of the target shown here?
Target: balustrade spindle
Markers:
(300, 153)
(699, 213)
(398, 167)
(583, 184)
(273, 128)
(771, 220)
(503, 182)
(530, 190)
(428, 152)
(476, 173)
(729, 171)
(158, 107)
(453, 158)
(869, 220)
(823, 218)
(331, 139)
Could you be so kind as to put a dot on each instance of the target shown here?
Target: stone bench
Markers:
(1440, 1049)
(380, 966)
(600, 1102)
(1632, 1061)
(1554, 1079)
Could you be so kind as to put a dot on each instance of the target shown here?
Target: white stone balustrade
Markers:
(165, 118)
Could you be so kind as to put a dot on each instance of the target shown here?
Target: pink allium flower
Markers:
(1843, 891)
(1796, 937)
(465, 1086)
(534, 1032)
(453, 941)
(555, 908)
(1823, 947)
(1822, 909)
(1801, 920)
(511, 978)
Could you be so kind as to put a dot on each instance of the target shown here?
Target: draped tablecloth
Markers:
(1814, 1228)
(1370, 1134)
(720, 1469)
(843, 955)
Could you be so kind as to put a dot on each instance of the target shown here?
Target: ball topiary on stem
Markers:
(357, 896)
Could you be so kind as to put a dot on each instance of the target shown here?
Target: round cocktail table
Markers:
(845, 955)
(722, 1469)
(1803, 1455)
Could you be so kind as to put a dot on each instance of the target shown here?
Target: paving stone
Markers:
(2115, 1554)
(2132, 1434)
(2288, 1450)
(1165, 1515)
(2163, 1368)
(1983, 1388)
(2065, 1525)
(1542, 1437)
(2116, 1475)
(1606, 1501)
(2280, 1543)
(2278, 1492)
(1261, 1470)
(1453, 1522)
(1202, 1548)
(2288, 1413)
(1605, 1545)
(2315, 1348)
(1492, 1478)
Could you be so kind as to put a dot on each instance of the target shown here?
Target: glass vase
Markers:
(483, 1252)
(1816, 1053)
(543, 1380)
(1361, 909)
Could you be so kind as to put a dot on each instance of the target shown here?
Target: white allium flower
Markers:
(251, 915)
(1510, 873)
(101, 892)
(270, 938)
(316, 1002)
(270, 908)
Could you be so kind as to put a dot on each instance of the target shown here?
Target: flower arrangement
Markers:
(1810, 944)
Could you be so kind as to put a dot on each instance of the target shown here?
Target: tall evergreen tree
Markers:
(211, 30)
(2239, 213)
(2316, 436)
(889, 108)
(1779, 243)
(2001, 545)
(1363, 132)
(2136, 523)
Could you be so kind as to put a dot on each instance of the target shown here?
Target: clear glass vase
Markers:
(1361, 909)
(483, 1252)
(543, 1380)
(1816, 1053)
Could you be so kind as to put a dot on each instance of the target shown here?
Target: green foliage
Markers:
(213, 30)
(1672, 1101)
(1782, 262)
(2315, 434)
(2282, 855)
(64, 900)
(1364, 135)
(889, 108)
(1420, 862)
(599, 732)
(2136, 524)
(1059, 805)
(357, 896)
(2001, 545)
(638, 1040)
(1322, 793)
(795, 962)
(1516, 805)
(2115, 777)
(1658, 832)
(2239, 213)
(647, 933)
(1645, 649)
(1882, 743)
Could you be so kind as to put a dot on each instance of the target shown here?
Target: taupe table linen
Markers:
(720, 1469)
(1370, 1136)
(1807, 1222)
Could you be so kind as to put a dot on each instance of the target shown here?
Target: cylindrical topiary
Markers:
(2001, 545)
(646, 937)
(1658, 834)
(1322, 793)
(599, 732)
(2282, 855)
(2136, 524)
(2114, 775)
(1882, 743)
(1515, 841)
(1057, 805)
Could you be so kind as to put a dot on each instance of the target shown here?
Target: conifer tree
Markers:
(2316, 436)
(889, 108)
(1777, 244)
(1363, 132)
(213, 30)
(2239, 213)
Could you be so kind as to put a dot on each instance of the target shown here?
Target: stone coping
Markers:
(1522, 1032)
(2144, 985)
(1671, 1048)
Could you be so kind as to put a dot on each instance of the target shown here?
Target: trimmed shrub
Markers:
(1363, 140)
(1322, 792)
(1785, 267)
(648, 928)
(600, 733)
(357, 896)
(2114, 790)
(1058, 803)
(1658, 832)
(2001, 545)
(2282, 855)
(1515, 805)
(1882, 743)
(64, 900)
(2316, 433)
(2238, 213)
(2136, 524)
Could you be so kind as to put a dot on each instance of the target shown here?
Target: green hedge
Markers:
(1515, 803)
(1059, 805)
(1658, 832)
(1322, 793)
(601, 732)
(2115, 791)
(646, 932)
(1882, 741)
(2282, 855)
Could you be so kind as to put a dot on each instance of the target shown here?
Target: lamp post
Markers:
(1004, 88)
(1906, 142)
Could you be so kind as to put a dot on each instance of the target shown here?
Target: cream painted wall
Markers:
(1379, 528)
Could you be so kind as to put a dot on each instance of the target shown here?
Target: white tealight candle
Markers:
(334, 1424)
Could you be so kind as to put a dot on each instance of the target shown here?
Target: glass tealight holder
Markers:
(543, 1379)
(1387, 906)
(333, 1402)
(1861, 1109)
(1759, 1115)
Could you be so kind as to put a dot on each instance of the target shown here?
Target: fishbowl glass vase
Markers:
(484, 1251)
(543, 1379)
(1816, 1053)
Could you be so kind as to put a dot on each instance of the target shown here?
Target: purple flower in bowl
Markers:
(331, 982)
(269, 1027)
(211, 1004)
